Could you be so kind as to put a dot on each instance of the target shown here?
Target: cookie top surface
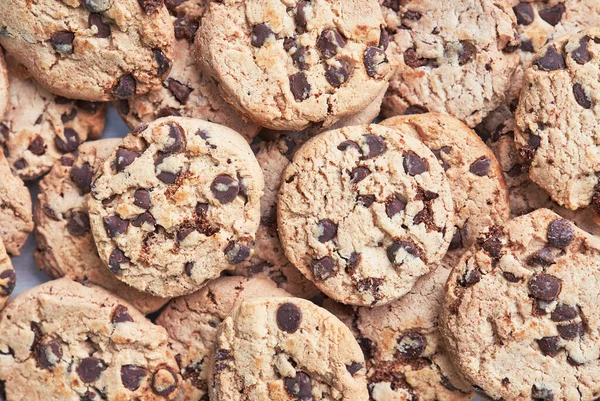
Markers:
(175, 204)
(364, 212)
(404, 352)
(8, 277)
(557, 116)
(3, 85)
(520, 315)
(285, 349)
(65, 245)
(69, 342)
(90, 49)
(192, 321)
(287, 65)
(187, 91)
(40, 127)
(456, 57)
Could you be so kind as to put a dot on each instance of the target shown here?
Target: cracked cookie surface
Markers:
(192, 321)
(285, 349)
(95, 50)
(175, 204)
(63, 341)
(363, 212)
(65, 246)
(520, 316)
(455, 57)
(288, 65)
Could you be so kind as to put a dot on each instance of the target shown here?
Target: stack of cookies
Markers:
(318, 200)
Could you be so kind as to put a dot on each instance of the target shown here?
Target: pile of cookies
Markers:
(318, 200)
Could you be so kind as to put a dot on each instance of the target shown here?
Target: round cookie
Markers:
(16, 220)
(285, 349)
(456, 57)
(8, 277)
(187, 91)
(175, 204)
(290, 65)
(63, 341)
(40, 127)
(3, 85)
(363, 212)
(404, 351)
(93, 50)
(192, 321)
(476, 180)
(520, 313)
(65, 245)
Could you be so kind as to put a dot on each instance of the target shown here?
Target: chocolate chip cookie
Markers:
(456, 57)
(404, 352)
(557, 117)
(192, 321)
(290, 65)
(285, 349)
(40, 127)
(3, 85)
(93, 50)
(66, 341)
(364, 212)
(476, 180)
(8, 277)
(65, 246)
(175, 204)
(520, 311)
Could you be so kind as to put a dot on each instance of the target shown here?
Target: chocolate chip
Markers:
(144, 218)
(392, 250)
(491, 242)
(337, 75)
(180, 91)
(11, 281)
(467, 52)
(224, 188)
(353, 262)
(90, 369)
(20, 164)
(184, 232)
(116, 259)
(581, 55)
(366, 200)
(62, 42)
(70, 143)
(414, 165)
(511, 277)
(549, 346)
(471, 278)
(97, 6)
(37, 146)
(122, 106)
(176, 139)
(394, 205)
(560, 233)
(327, 230)
(552, 15)
(540, 393)
(374, 146)
(373, 59)
(534, 141)
(322, 268)
(411, 345)
(412, 59)
(393, 4)
(165, 176)
(185, 29)
(438, 155)
(581, 97)
(115, 225)
(329, 42)
(551, 61)
(150, 6)
(570, 331)
(410, 110)
(302, 15)
(358, 174)
(481, 166)
(527, 46)
(384, 39)
(201, 209)
(131, 376)
(236, 253)
(354, 367)
(260, 34)
(78, 224)
(299, 386)
(103, 28)
(164, 65)
(165, 381)
(545, 287)
(456, 242)
(121, 315)
(299, 87)
(289, 44)
(346, 145)
(543, 257)
(524, 13)
(189, 268)
(48, 354)
(141, 198)
(125, 88)
(564, 312)
(289, 317)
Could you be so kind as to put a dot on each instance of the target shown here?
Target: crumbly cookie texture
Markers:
(40, 127)
(187, 91)
(363, 212)
(456, 57)
(8, 277)
(3, 85)
(557, 117)
(476, 180)
(16, 220)
(63, 341)
(65, 245)
(289, 65)
(93, 50)
(404, 352)
(520, 314)
(175, 204)
(192, 321)
(285, 349)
